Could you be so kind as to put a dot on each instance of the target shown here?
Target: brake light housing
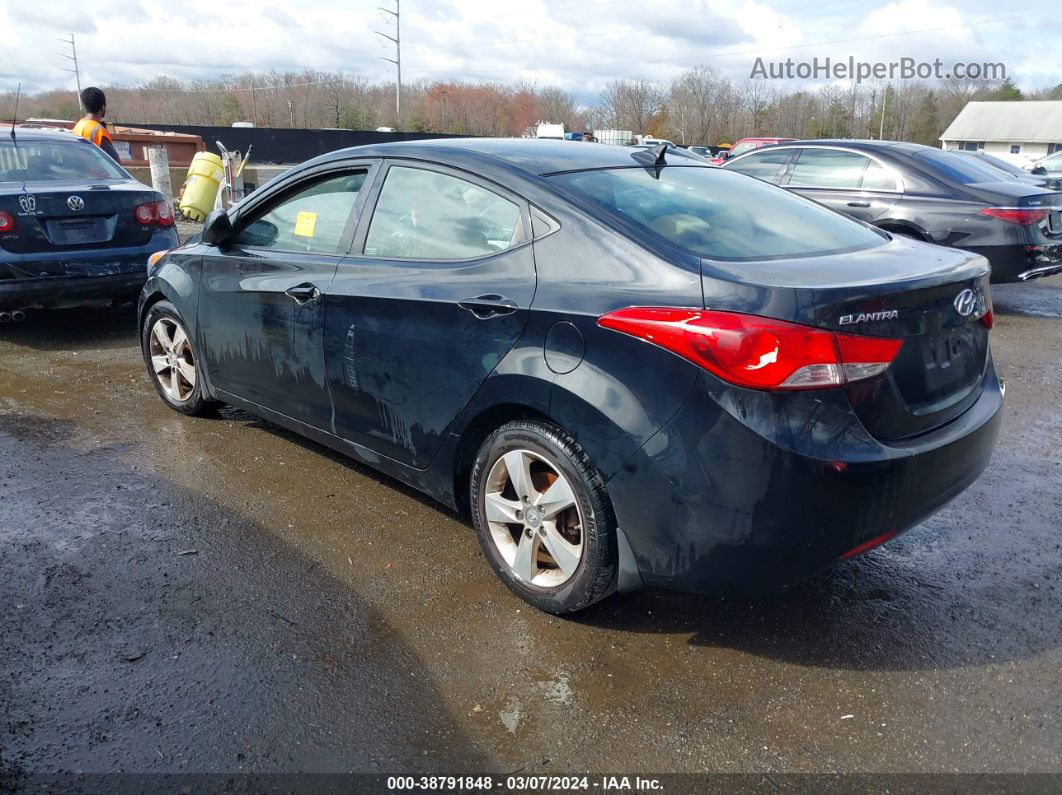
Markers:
(758, 352)
(8, 224)
(1023, 216)
(154, 214)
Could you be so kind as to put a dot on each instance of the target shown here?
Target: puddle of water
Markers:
(511, 715)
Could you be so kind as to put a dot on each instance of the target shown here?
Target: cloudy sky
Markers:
(577, 45)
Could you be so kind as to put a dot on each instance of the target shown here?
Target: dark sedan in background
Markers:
(74, 225)
(925, 193)
(627, 366)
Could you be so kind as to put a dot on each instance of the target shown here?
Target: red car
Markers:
(746, 145)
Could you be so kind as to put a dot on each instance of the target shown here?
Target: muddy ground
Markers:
(220, 595)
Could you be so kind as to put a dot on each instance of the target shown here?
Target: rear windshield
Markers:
(52, 161)
(719, 214)
(953, 166)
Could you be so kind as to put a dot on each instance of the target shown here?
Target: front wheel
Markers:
(171, 360)
(543, 517)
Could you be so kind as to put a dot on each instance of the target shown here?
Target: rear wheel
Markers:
(171, 360)
(543, 517)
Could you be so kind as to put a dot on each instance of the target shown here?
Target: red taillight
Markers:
(866, 546)
(987, 319)
(7, 223)
(1023, 216)
(154, 214)
(758, 352)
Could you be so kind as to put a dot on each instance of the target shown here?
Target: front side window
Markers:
(715, 213)
(827, 168)
(877, 177)
(426, 215)
(740, 149)
(310, 220)
(763, 165)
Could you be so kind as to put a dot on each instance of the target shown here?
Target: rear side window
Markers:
(716, 213)
(877, 177)
(426, 215)
(956, 167)
(763, 165)
(310, 220)
(827, 168)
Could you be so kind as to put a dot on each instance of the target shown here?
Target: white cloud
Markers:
(576, 45)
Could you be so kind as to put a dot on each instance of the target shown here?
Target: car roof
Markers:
(39, 134)
(532, 156)
(859, 143)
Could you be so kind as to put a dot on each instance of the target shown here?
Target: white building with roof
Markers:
(1020, 131)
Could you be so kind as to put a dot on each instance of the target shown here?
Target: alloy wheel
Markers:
(534, 518)
(172, 358)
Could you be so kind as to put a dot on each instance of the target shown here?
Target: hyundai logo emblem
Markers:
(965, 302)
(75, 203)
(28, 202)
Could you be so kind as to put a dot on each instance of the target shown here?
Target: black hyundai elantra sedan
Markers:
(627, 367)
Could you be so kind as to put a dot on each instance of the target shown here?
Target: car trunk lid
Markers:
(58, 217)
(933, 299)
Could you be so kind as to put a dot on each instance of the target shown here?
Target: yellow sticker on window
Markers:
(305, 224)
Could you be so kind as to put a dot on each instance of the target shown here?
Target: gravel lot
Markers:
(218, 595)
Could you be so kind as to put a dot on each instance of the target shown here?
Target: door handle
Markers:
(858, 204)
(488, 306)
(303, 293)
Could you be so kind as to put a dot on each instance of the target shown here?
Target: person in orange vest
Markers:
(92, 125)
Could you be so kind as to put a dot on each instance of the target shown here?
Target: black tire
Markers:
(595, 576)
(194, 404)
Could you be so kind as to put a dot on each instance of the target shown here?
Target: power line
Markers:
(76, 71)
(397, 60)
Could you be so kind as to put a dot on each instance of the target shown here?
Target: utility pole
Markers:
(884, 101)
(75, 71)
(397, 60)
(291, 113)
(254, 104)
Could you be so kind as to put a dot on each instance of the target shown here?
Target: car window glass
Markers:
(827, 168)
(46, 161)
(877, 177)
(955, 167)
(310, 220)
(761, 164)
(748, 146)
(717, 214)
(427, 215)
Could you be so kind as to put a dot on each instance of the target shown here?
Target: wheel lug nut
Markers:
(526, 500)
(519, 514)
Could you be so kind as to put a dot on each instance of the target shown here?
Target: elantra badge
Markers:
(965, 302)
(75, 203)
(870, 317)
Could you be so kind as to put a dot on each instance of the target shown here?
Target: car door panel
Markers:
(261, 315)
(843, 180)
(409, 340)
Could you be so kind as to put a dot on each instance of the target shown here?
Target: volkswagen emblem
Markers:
(75, 203)
(28, 203)
(966, 302)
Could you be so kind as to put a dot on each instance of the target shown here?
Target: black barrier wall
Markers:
(285, 145)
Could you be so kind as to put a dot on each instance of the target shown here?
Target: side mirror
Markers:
(1039, 171)
(217, 228)
(724, 154)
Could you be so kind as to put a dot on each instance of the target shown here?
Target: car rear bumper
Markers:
(71, 276)
(749, 493)
(1019, 263)
(62, 289)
